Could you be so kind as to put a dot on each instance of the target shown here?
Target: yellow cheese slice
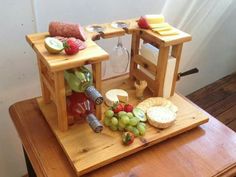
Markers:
(162, 29)
(168, 32)
(154, 19)
(159, 25)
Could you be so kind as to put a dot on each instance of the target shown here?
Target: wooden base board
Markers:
(88, 151)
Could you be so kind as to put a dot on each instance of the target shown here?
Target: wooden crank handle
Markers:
(191, 71)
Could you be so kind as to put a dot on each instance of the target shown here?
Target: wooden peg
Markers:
(140, 88)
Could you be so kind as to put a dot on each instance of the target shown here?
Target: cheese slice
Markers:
(161, 116)
(159, 25)
(154, 19)
(168, 32)
(116, 95)
(162, 29)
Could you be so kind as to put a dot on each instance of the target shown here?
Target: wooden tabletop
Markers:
(209, 150)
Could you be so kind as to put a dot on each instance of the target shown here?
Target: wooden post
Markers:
(97, 83)
(161, 70)
(176, 52)
(134, 51)
(60, 99)
(44, 89)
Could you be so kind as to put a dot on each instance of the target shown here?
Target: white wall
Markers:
(18, 71)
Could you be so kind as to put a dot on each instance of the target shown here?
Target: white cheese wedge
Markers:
(116, 95)
(161, 116)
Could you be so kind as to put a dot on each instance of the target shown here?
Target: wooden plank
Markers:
(60, 101)
(161, 70)
(92, 54)
(146, 64)
(213, 87)
(97, 82)
(232, 124)
(222, 106)
(228, 116)
(88, 151)
(44, 89)
(135, 42)
(176, 52)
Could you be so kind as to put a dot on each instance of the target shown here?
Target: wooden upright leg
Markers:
(161, 70)
(60, 99)
(45, 91)
(176, 52)
(97, 83)
(134, 51)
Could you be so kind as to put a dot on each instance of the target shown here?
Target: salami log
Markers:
(67, 30)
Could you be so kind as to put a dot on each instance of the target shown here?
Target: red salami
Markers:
(66, 30)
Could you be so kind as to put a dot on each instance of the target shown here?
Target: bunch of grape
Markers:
(124, 121)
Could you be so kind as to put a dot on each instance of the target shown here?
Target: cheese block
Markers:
(154, 19)
(161, 116)
(116, 95)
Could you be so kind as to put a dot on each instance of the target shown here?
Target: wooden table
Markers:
(209, 150)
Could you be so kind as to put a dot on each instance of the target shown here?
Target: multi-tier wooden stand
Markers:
(85, 149)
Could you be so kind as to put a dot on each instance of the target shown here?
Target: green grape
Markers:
(129, 128)
(114, 121)
(121, 113)
(141, 129)
(124, 119)
(121, 125)
(130, 114)
(107, 121)
(109, 113)
(113, 127)
(138, 120)
(142, 124)
(133, 121)
(135, 131)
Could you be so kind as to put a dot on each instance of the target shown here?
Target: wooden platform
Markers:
(87, 150)
(219, 99)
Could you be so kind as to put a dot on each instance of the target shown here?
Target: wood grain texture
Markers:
(140, 60)
(44, 89)
(176, 52)
(97, 75)
(60, 101)
(161, 70)
(191, 154)
(135, 42)
(92, 54)
(219, 99)
(87, 150)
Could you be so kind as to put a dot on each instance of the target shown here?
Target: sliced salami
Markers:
(67, 30)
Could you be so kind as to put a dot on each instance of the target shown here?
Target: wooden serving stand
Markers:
(85, 149)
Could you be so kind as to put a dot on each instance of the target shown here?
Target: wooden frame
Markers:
(52, 67)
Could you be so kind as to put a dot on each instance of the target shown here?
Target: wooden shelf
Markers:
(59, 62)
(87, 150)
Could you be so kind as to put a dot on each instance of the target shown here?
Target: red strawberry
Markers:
(117, 107)
(142, 23)
(127, 138)
(71, 47)
(128, 108)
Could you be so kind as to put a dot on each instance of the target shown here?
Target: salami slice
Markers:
(67, 30)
